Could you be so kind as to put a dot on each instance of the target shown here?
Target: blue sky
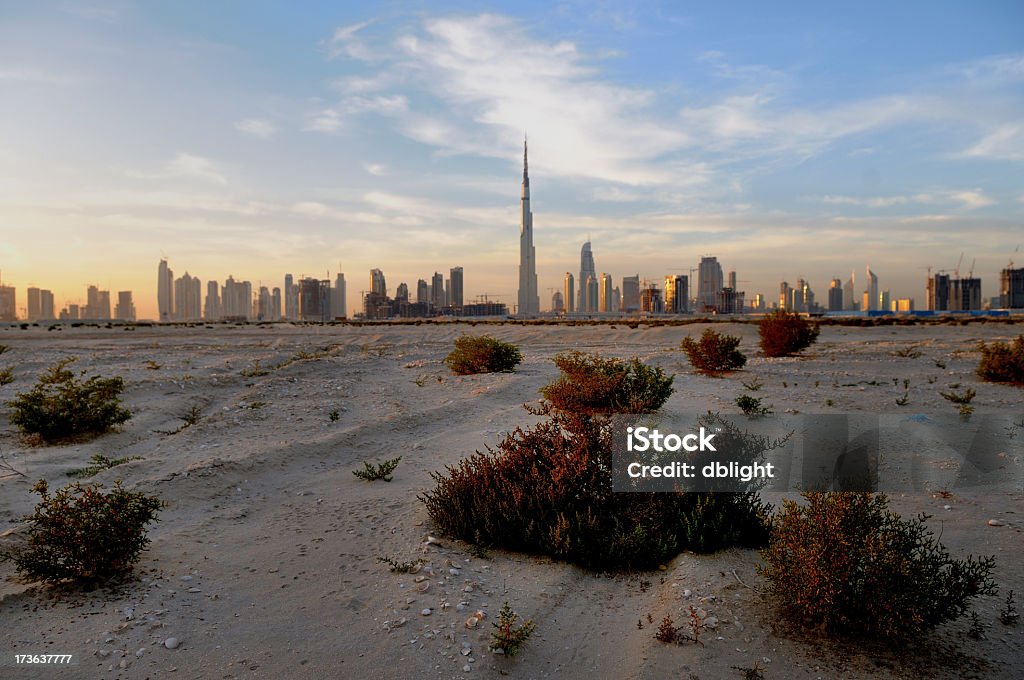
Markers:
(261, 138)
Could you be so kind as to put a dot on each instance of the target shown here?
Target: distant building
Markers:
(34, 303)
(1011, 288)
(709, 282)
(314, 299)
(965, 294)
(605, 294)
(125, 309)
(275, 304)
(378, 285)
(557, 305)
(165, 292)
(872, 291)
(631, 294)
(291, 298)
(903, 305)
(529, 298)
(455, 299)
(849, 303)
(569, 293)
(650, 300)
(339, 306)
(402, 292)
(591, 298)
(677, 294)
(729, 301)
(785, 296)
(212, 309)
(587, 270)
(835, 296)
(187, 298)
(8, 310)
(236, 300)
(437, 296)
(46, 306)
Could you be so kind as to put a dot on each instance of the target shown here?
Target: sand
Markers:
(264, 563)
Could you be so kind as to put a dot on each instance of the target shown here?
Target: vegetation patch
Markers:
(64, 405)
(1003, 362)
(82, 535)
(714, 353)
(785, 334)
(372, 473)
(592, 384)
(482, 354)
(844, 562)
(510, 635)
(98, 463)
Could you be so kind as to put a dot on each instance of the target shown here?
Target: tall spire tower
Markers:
(529, 300)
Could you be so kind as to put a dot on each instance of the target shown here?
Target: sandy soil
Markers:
(264, 563)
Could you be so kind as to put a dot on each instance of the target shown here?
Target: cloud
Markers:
(376, 169)
(345, 41)
(1005, 143)
(326, 120)
(257, 127)
(969, 198)
(188, 166)
(29, 74)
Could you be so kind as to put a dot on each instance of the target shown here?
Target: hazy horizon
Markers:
(804, 141)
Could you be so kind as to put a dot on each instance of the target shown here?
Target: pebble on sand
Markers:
(172, 643)
(996, 523)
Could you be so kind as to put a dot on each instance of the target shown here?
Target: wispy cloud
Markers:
(1005, 143)
(967, 198)
(256, 127)
(188, 166)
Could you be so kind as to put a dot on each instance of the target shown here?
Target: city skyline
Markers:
(787, 142)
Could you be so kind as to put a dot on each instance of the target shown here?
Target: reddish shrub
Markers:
(714, 353)
(784, 334)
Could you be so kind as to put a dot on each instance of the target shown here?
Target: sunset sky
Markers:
(259, 138)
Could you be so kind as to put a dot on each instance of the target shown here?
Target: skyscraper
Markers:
(8, 298)
(631, 294)
(125, 309)
(605, 294)
(187, 294)
(212, 309)
(46, 308)
(164, 292)
(591, 296)
(422, 292)
(557, 306)
(339, 308)
(835, 296)
(34, 304)
(455, 299)
(569, 294)
(676, 294)
(709, 282)
(378, 286)
(275, 304)
(529, 300)
(849, 301)
(1011, 288)
(437, 292)
(291, 298)
(587, 270)
(872, 290)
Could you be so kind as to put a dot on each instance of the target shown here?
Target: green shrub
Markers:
(99, 463)
(482, 354)
(714, 353)
(508, 637)
(1003, 362)
(83, 535)
(371, 473)
(784, 334)
(62, 405)
(548, 490)
(846, 563)
(752, 405)
(6, 376)
(592, 384)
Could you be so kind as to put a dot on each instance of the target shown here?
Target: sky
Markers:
(255, 139)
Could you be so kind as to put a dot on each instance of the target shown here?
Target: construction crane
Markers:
(970, 274)
(959, 262)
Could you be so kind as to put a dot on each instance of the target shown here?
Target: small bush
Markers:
(714, 353)
(784, 334)
(399, 567)
(846, 563)
(6, 376)
(62, 405)
(99, 463)
(482, 354)
(961, 401)
(1003, 362)
(548, 490)
(83, 535)
(509, 637)
(592, 384)
(371, 473)
(752, 405)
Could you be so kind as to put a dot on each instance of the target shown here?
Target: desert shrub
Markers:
(1003, 362)
(63, 405)
(752, 405)
(548, 490)
(784, 334)
(482, 354)
(714, 353)
(846, 563)
(6, 376)
(98, 463)
(82, 534)
(592, 384)
(509, 637)
(961, 401)
(371, 473)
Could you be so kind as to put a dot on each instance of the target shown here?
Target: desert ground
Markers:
(264, 562)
